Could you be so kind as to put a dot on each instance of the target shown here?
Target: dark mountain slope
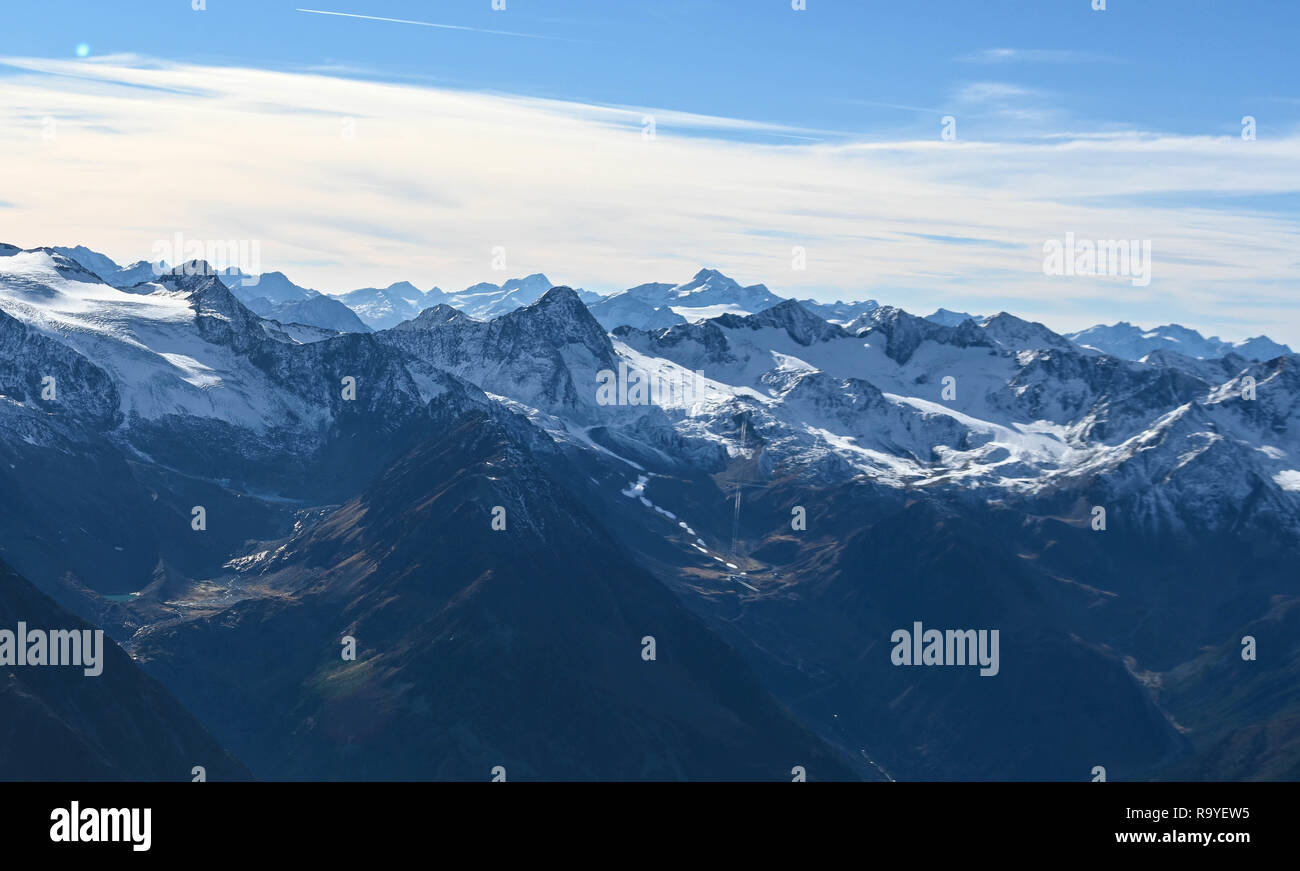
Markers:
(60, 724)
(476, 648)
(816, 611)
(1243, 714)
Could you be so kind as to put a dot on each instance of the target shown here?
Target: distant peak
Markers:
(560, 305)
(433, 317)
(709, 274)
(791, 308)
(950, 318)
(531, 282)
(562, 296)
(800, 324)
(195, 267)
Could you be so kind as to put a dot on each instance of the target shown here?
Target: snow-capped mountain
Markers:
(273, 296)
(137, 273)
(1133, 343)
(485, 300)
(946, 465)
(1008, 331)
(182, 348)
(99, 264)
(546, 355)
(319, 311)
(1026, 407)
(105, 268)
(708, 294)
(948, 318)
(381, 308)
(274, 287)
(839, 312)
(629, 308)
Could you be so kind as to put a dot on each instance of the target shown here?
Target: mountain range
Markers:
(1133, 343)
(572, 583)
(654, 305)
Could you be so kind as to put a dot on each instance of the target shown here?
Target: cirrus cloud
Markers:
(434, 179)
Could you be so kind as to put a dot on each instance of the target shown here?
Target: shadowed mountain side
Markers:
(816, 611)
(60, 724)
(1241, 701)
(476, 648)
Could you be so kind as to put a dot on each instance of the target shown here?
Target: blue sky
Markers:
(1181, 66)
(1123, 123)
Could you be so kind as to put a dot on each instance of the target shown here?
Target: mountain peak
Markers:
(92, 261)
(274, 286)
(712, 275)
(904, 332)
(564, 298)
(212, 301)
(68, 266)
(432, 318)
(195, 267)
(802, 325)
(1130, 342)
(537, 282)
(564, 319)
(949, 318)
(1018, 334)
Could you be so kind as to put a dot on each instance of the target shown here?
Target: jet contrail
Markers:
(432, 24)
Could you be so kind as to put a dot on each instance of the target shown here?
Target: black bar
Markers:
(216, 820)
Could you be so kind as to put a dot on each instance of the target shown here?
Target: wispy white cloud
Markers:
(435, 178)
(1019, 109)
(993, 92)
(1035, 55)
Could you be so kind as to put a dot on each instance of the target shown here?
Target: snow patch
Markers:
(1288, 479)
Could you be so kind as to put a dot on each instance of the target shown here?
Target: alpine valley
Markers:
(702, 587)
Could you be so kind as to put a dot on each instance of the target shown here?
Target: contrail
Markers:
(432, 24)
